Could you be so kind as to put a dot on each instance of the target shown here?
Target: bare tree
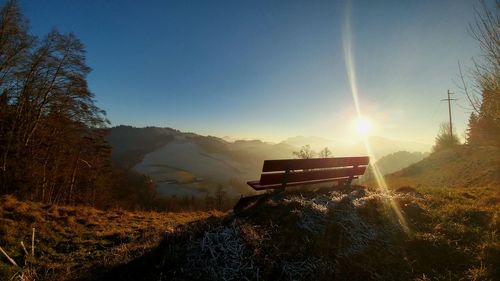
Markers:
(483, 94)
(305, 152)
(325, 153)
(220, 198)
(52, 144)
(486, 69)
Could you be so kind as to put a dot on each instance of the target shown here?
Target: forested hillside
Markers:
(131, 145)
(52, 142)
(188, 165)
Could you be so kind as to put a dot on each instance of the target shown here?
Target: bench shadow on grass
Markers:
(167, 260)
(161, 262)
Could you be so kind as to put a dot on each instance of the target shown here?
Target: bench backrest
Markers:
(289, 171)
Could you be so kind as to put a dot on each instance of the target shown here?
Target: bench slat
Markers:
(305, 164)
(257, 186)
(303, 176)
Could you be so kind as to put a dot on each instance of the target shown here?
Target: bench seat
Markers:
(278, 174)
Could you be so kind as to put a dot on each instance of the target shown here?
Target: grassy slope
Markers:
(460, 167)
(350, 234)
(70, 240)
(395, 162)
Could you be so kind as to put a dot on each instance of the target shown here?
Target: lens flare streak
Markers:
(351, 74)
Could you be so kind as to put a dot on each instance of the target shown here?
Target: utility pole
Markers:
(449, 111)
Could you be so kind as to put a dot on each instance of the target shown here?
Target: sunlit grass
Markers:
(71, 240)
(348, 234)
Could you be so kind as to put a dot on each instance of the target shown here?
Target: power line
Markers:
(449, 111)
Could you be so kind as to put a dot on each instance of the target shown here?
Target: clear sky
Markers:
(270, 69)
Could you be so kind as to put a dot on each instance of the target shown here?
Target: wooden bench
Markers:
(278, 174)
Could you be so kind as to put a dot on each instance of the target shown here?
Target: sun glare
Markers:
(363, 126)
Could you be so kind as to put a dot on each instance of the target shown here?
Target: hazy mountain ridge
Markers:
(380, 146)
(395, 161)
(189, 164)
(130, 144)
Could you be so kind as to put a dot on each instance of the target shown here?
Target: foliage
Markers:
(445, 139)
(52, 143)
(484, 95)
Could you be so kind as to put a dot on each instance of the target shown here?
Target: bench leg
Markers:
(285, 180)
(348, 182)
(345, 183)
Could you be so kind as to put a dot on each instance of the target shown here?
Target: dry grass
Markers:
(72, 240)
(345, 234)
(460, 167)
(348, 234)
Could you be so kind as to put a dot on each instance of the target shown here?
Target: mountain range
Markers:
(188, 164)
(380, 146)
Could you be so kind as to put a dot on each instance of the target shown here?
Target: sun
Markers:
(363, 126)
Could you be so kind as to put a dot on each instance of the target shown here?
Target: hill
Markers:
(394, 162)
(187, 164)
(462, 166)
(345, 234)
(130, 144)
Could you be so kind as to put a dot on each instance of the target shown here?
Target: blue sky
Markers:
(270, 69)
